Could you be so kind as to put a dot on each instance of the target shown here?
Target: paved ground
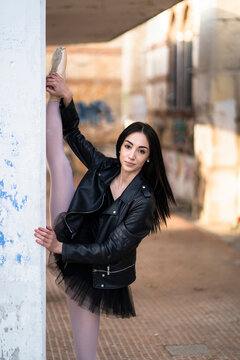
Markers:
(187, 294)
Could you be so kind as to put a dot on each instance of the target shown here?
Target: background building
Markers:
(178, 71)
(190, 83)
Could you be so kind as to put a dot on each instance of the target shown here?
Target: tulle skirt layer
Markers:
(76, 280)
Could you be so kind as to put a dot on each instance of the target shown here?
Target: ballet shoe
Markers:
(59, 62)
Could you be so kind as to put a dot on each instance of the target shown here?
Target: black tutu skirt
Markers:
(77, 282)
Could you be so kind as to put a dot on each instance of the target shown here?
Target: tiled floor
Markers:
(187, 292)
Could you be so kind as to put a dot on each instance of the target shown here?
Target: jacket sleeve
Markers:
(82, 148)
(125, 238)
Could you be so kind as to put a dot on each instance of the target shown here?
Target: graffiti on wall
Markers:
(180, 171)
(95, 112)
(179, 131)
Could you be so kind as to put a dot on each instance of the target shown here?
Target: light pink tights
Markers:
(85, 325)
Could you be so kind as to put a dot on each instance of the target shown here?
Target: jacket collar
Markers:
(132, 188)
(126, 197)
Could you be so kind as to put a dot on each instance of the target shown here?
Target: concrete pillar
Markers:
(22, 179)
(216, 136)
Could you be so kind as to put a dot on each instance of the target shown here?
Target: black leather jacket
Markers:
(128, 220)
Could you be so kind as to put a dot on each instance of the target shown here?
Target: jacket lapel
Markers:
(127, 196)
(130, 191)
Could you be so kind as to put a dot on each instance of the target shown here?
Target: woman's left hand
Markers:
(56, 86)
(46, 237)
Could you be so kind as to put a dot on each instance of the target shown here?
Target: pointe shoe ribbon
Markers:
(59, 62)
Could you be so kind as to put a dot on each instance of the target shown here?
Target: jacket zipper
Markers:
(112, 272)
(81, 212)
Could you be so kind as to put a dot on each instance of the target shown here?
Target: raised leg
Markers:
(62, 186)
(85, 327)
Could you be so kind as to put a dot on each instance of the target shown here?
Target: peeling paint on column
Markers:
(21, 259)
(3, 215)
(9, 163)
(13, 354)
(14, 145)
(14, 149)
(3, 240)
(3, 314)
(2, 260)
(13, 198)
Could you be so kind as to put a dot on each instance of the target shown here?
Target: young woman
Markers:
(98, 227)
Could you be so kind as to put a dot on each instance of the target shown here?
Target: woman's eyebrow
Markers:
(141, 146)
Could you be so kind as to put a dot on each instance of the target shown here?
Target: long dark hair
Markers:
(153, 172)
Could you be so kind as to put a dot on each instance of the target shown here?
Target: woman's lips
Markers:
(129, 163)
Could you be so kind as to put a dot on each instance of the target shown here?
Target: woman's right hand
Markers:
(56, 86)
(46, 237)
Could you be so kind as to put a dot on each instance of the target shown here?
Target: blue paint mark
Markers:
(14, 186)
(22, 259)
(9, 163)
(24, 200)
(1, 220)
(12, 198)
(19, 235)
(14, 145)
(2, 260)
(19, 258)
(3, 240)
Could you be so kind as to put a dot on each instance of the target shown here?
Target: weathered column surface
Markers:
(22, 179)
(216, 136)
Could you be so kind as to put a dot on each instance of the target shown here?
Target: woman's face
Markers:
(134, 152)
